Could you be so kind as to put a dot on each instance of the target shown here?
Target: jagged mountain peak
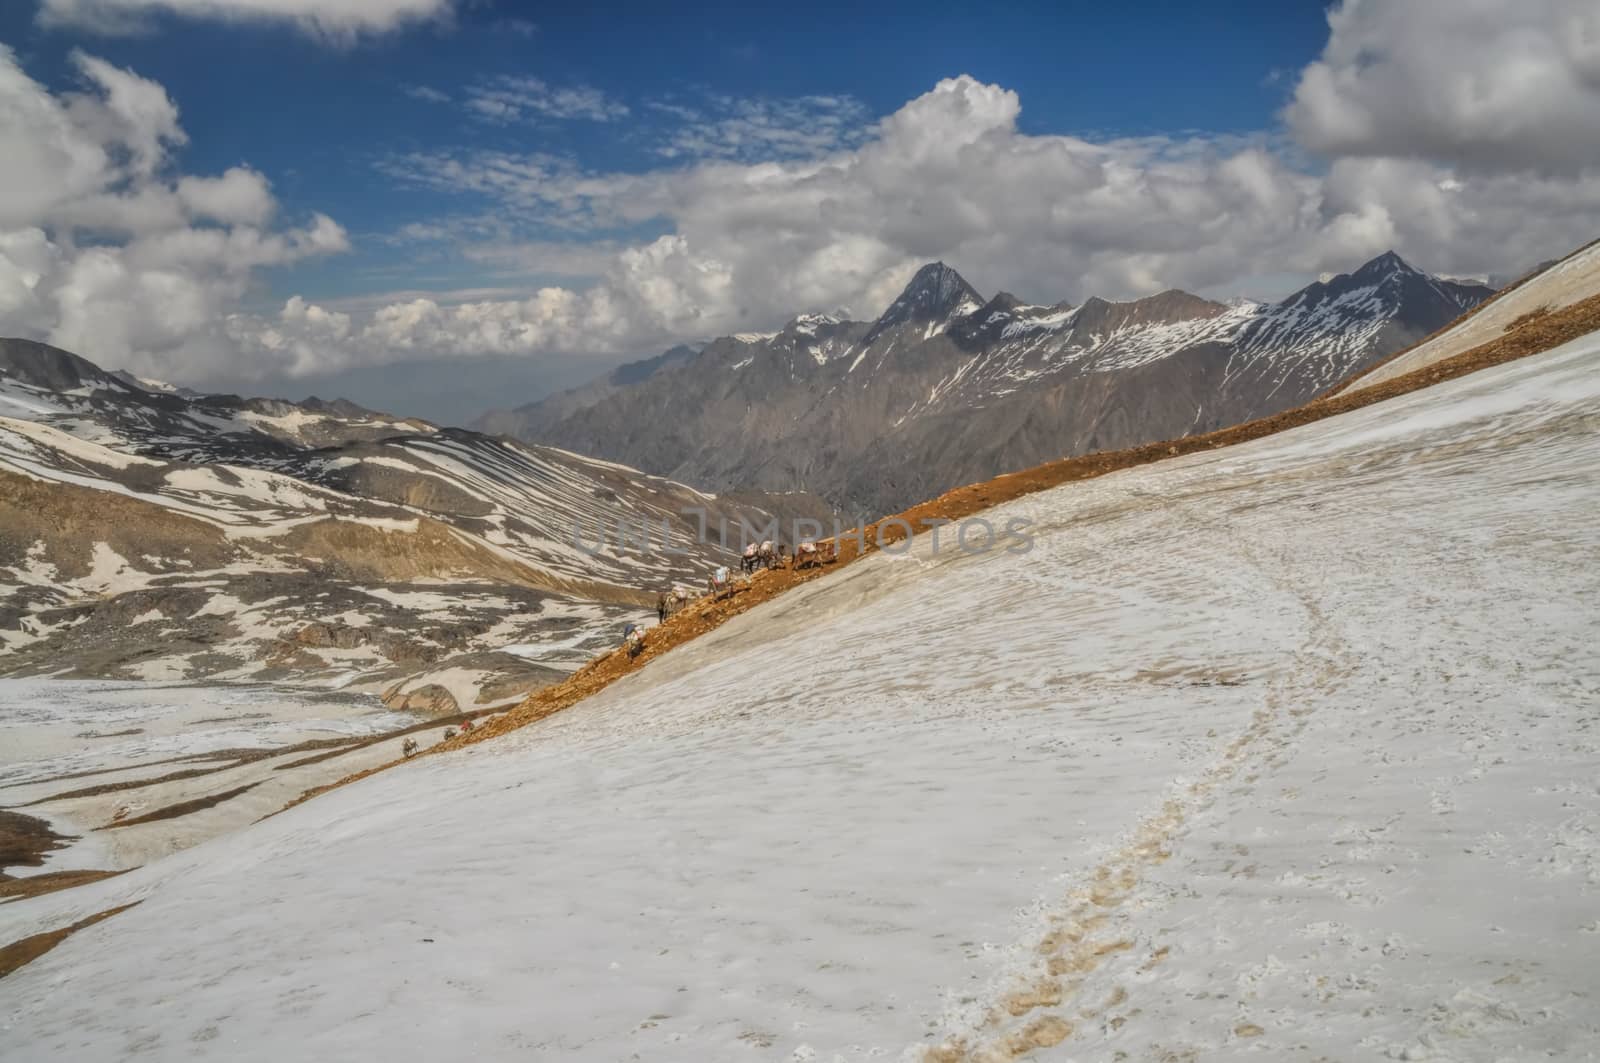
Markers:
(1385, 265)
(1026, 382)
(809, 324)
(814, 318)
(935, 291)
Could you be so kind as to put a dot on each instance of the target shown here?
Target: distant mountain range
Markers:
(147, 532)
(947, 387)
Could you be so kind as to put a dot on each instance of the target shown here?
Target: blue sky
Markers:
(532, 192)
(318, 120)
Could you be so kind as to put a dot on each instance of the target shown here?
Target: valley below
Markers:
(1278, 739)
(1189, 779)
(81, 755)
(1025, 533)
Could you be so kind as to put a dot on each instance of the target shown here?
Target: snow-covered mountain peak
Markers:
(936, 291)
(809, 323)
(1383, 267)
(1032, 381)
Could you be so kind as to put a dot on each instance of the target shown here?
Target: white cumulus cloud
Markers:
(333, 20)
(1503, 85)
(762, 209)
(106, 252)
(950, 176)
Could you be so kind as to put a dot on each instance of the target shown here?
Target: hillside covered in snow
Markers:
(151, 533)
(1286, 749)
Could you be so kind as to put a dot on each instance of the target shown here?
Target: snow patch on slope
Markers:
(1190, 746)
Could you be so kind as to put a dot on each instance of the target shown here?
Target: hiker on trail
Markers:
(466, 725)
(661, 608)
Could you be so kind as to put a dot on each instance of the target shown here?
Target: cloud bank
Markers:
(1476, 156)
(340, 21)
(1486, 84)
(102, 250)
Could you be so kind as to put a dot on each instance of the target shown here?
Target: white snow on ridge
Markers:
(1285, 749)
(1575, 278)
(1034, 346)
(18, 399)
(1043, 323)
(292, 419)
(806, 324)
(248, 490)
(77, 449)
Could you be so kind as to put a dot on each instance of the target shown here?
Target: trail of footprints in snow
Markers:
(1083, 933)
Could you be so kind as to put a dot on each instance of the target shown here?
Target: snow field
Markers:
(1287, 749)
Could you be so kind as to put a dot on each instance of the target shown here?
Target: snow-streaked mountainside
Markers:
(154, 534)
(1285, 750)
(1554, 286)
(947, 388)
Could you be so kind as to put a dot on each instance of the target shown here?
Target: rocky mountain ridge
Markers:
(150, 533)
(946, 387)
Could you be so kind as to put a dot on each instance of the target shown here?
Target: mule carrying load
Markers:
(633, 640)
(809, 553)
(750, 558)
(720, 583)
(671, 601)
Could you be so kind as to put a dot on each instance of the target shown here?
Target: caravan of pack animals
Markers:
(762, 556)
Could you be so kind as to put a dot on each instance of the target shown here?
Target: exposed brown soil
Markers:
(130, 784)
(70, 519)
(428, 725)
(181, 808)
(227, 759)
(14, 889)
(362, 743)
(360, 552)
(24, 840)
(320, 748)
(1535, 334)
(21, 953)
(68, 776)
